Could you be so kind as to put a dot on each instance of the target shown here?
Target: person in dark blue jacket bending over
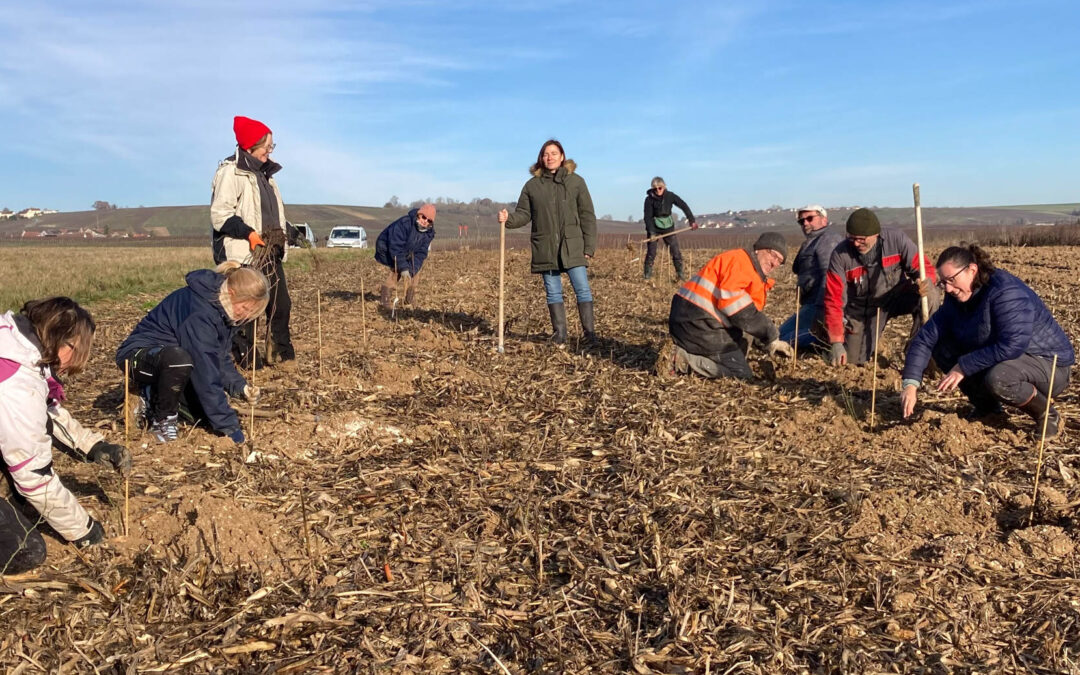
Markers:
(403, 247)
(179, 353)
(994, 338)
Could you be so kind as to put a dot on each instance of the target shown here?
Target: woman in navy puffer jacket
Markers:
(995, 339)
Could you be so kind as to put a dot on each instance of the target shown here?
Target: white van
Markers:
(306, 233)
(347, 236)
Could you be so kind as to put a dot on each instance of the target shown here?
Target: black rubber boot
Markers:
(679, 271)
(558, 322)
(1036, 407)
(648, 271)
(385, 297)
(588, 324)
(410, 296)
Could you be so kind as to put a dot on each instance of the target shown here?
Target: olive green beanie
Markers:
(863, 223)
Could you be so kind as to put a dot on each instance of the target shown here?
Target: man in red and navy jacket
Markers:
(873, 269)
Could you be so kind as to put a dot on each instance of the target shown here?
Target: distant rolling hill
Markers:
(194, 221)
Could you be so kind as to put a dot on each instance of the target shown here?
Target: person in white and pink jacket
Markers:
(46, 339)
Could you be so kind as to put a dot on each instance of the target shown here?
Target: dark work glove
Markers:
(293, 234)
(96, 535)
(110, 454)
(275, 239)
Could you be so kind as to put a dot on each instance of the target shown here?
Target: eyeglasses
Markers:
(859, 240)
(426, 219)
(951, 281)
(805, 219)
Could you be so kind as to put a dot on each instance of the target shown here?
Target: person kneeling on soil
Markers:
(721, 302)
(179, 353)
(403, 247)
(46, 337)
(874, 270)
(995, 339)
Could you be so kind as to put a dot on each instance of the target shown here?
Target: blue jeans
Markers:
(808, 316)
(579, 279)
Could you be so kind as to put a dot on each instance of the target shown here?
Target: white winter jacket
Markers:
(235, 192)
(30, 416)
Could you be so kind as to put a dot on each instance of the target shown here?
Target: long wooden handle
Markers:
(666, 234)
(502, 280)
(924, 302)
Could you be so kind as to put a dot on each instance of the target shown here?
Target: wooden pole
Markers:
(363, 311)
(924, 301)
(127, 438)
(318, 306)
(795, 346)
(873, 383)
(667, 234)
(254, 358)
(1042, 441)
(127, 407)
(502, 281)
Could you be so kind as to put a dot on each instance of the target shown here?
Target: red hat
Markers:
(248, 131)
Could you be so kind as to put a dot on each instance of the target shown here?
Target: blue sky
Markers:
(738, 104)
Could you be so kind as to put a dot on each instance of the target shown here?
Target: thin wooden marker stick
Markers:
(795, 346)
(127, 438)
(127, 407)
(307, 540)
(1042, 441)
(924, 301)
(363, 311)
(254, 357)
(873, 383)
(318, 305)
(502, 281)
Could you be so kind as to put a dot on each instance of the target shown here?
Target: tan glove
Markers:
(779, 347)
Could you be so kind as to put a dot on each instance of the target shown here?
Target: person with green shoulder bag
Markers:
(658, 203)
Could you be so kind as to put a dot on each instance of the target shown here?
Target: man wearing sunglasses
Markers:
(403, 247)
(811, 264)
(875, 269)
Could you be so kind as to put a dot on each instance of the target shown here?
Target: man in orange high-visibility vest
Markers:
(722, 301)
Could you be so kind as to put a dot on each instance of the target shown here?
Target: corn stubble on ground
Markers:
(565, 509)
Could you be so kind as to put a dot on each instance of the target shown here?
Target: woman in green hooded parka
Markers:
(557, 202)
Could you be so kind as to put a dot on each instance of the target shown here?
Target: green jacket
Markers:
(563, 220)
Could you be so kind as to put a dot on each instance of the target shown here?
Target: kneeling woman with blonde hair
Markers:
(179, 353)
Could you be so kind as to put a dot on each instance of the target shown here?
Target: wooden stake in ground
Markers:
(873, 382)
(254, 357)
(1042, 441)
(795, 346)
(924, 301)
(363, 311)
(502, 281)
(127, 407)
(318, 309)
(127, 438)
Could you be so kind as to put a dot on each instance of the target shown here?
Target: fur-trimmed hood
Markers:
(568, 164)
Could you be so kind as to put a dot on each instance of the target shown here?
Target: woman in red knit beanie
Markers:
(246, 213)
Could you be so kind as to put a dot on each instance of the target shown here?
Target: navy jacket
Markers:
(1002, 321)
(192, 318)
(402, 246)
(812, 263)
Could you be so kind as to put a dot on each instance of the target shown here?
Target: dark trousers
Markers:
(167, 371)
(1014, 382)
(673, 248)
(22, 547)
(864, 331)
(730, 363)
(278, 313)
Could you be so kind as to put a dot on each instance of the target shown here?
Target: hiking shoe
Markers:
(164, 430)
